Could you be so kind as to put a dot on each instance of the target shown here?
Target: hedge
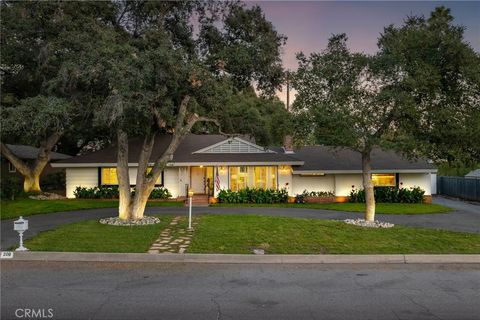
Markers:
(253, 195)
(390, 195)
(111, 192)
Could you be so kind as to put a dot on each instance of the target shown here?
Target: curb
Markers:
(243, 258)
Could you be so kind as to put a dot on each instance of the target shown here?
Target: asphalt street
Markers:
(210, 291)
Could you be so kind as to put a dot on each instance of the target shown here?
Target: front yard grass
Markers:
(279, 235)
(91, 236)
(26, 207)
(385, 208)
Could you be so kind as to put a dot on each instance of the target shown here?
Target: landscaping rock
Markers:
(116, 221)
(258, 251)
(47, 196)
(369, 224)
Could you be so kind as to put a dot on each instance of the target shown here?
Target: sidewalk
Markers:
(244, 258)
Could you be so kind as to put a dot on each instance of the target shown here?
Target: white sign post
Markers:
(190, 197)
(20, 225)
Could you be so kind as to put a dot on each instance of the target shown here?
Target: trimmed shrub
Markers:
(160, 193)
(111, 192)
(253, 195)
(390, 195)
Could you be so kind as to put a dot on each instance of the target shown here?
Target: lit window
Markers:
(383, 179)
(109, 176)
(11, 167)
(238, 178)
(260, 177)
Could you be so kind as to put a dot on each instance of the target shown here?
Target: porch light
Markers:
(222, 169)
(190, 193)
(201, 166)
(284, 169)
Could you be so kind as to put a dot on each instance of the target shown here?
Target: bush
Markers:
(111, 192)
(300, 198)
(101, 192)
(390, 195)
(253, 195)
(11, 188)
(160, 193)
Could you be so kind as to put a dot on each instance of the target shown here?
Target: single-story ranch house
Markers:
(209, 163)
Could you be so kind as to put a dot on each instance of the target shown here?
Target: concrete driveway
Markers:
(466, 218)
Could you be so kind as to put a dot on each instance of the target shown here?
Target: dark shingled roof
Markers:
(184, 152)
(323, 158)
(315, 158)
(30, 153)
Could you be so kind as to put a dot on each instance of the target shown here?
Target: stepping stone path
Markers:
(173, 240)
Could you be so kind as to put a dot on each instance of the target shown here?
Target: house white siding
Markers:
(80, 177)
(171, 181)
(344, 183)
(313, 183)
(285, 179)
(422, 180)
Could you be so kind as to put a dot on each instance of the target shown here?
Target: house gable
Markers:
(234, 145)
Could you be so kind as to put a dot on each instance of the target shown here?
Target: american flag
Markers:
(217, 180)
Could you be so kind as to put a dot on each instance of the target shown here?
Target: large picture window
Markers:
(383, 179)
(261, 177)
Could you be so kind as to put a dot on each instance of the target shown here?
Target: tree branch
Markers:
(19, 164)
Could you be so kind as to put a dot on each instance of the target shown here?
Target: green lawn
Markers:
(385, 208)
(91, 236)
(26, 207)
(241, 233)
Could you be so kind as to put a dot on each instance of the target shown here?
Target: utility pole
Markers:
(287, 78)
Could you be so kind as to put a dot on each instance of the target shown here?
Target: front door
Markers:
(197, 175)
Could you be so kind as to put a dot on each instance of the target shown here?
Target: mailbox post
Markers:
(190, 196)
(20, 225)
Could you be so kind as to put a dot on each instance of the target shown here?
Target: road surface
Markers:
(223, 291)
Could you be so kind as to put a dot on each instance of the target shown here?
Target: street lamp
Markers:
(20, 225)
(190, 197)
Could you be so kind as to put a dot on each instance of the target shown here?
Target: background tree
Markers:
(441, 74)
(265, 119)
(38, 102)
(156, 77)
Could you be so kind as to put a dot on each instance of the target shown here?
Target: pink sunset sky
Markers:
(309, 24)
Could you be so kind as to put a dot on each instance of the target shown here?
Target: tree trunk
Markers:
(31, 183)
(31, 173)
(124, 203)
(368, 186)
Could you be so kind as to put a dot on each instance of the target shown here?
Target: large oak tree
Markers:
(39, 102)
(166, 67)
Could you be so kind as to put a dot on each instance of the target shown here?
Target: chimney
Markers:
(288, 144)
